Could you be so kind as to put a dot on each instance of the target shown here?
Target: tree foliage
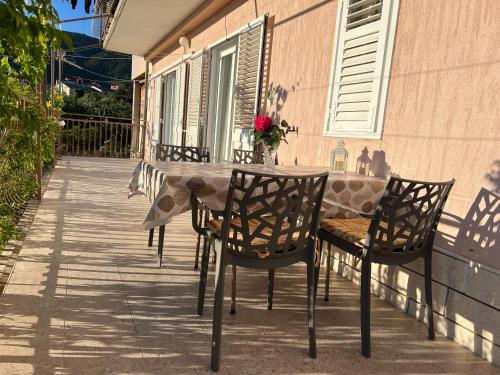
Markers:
(115, 104)
(27, 32)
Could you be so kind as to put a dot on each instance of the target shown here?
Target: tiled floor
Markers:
(87, 297)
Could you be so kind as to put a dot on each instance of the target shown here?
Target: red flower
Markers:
(262, 123)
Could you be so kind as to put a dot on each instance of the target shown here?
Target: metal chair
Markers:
(270, 222)
(200, 221)
(247, 157)
(182, 153)
(401, 230)
(166, 152)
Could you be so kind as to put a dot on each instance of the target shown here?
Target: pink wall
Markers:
(442, 116)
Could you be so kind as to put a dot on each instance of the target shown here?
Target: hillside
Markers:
(119, 68)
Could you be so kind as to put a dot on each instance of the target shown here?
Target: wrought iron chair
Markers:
(401, 230)
(166, 152)
(182, 153)
(247, 157)
(270, 223)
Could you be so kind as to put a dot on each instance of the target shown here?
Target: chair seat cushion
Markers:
(354, 230)
(215, 226)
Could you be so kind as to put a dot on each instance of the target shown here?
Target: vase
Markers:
(269, 158)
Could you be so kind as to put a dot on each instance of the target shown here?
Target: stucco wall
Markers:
(442, 116)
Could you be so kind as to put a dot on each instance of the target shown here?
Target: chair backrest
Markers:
(247, 157)
(272, 216)
(182, 153)
(407, 215)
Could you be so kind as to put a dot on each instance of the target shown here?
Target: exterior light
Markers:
(185, 43)
(338, 163)
(61, 123)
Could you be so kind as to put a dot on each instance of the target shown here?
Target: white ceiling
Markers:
(139, 25)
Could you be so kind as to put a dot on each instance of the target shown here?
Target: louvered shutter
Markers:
(178, 115)
(194, 100)
(362, 63)
(248, 78)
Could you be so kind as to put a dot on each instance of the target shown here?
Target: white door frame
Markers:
(217, 54)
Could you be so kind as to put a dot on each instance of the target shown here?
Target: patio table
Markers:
(168, 186)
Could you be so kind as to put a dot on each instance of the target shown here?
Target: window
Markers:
(235, 82)
(172, 105)
(361, 67)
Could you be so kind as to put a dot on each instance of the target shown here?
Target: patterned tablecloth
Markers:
(168, 186)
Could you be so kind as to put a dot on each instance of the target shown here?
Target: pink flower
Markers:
(262, 123)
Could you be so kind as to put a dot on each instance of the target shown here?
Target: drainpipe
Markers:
(146, 89)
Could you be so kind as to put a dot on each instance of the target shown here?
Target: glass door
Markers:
(221, 102)
(169, 108)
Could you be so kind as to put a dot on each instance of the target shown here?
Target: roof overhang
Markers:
(138, 26)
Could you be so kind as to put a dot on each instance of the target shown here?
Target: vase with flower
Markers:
(268, 133)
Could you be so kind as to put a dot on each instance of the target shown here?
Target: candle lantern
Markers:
(363, 164)
(338, 163)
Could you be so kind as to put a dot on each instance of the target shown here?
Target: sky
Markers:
(65, 11)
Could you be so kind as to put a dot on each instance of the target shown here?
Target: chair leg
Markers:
(428, 295)
(151, 235)
(198, 242)
(327, 276)
(310, 308)
(203, 275)
(233, 291)
(217, 321)
(161, 236)
(365, 307)
(316, 273)
(270, 290)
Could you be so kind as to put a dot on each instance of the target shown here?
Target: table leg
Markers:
(161, 235)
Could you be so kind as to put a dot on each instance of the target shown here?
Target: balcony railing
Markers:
(99, 136)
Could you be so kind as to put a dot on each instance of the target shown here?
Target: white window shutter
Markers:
(180, 85)
(361, 70)
(248, 79)
(194, 100)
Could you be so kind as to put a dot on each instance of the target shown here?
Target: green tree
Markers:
(27, 31)
(114, 104)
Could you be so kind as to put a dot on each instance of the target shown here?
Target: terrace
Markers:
(87, 296)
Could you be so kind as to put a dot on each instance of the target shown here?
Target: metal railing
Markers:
(99, 136)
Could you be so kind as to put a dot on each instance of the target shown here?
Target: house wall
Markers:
(138, 66)
(441, 121)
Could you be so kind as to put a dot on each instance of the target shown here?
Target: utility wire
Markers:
(99, 57)
(98, 80)
(90, 71)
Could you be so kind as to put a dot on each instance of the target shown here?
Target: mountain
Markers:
(84, 47)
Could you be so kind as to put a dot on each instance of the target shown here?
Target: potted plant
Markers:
(270, 135)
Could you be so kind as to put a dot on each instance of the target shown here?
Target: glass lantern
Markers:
(338, 163)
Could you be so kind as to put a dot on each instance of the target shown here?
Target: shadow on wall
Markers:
(478, 233)
(277, 96)
(376, 165)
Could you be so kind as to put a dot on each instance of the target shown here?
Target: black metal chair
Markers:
(270, 223)
(401, 230)
(182, 153)
(166, 152)
(201, 220)
(247, 157)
